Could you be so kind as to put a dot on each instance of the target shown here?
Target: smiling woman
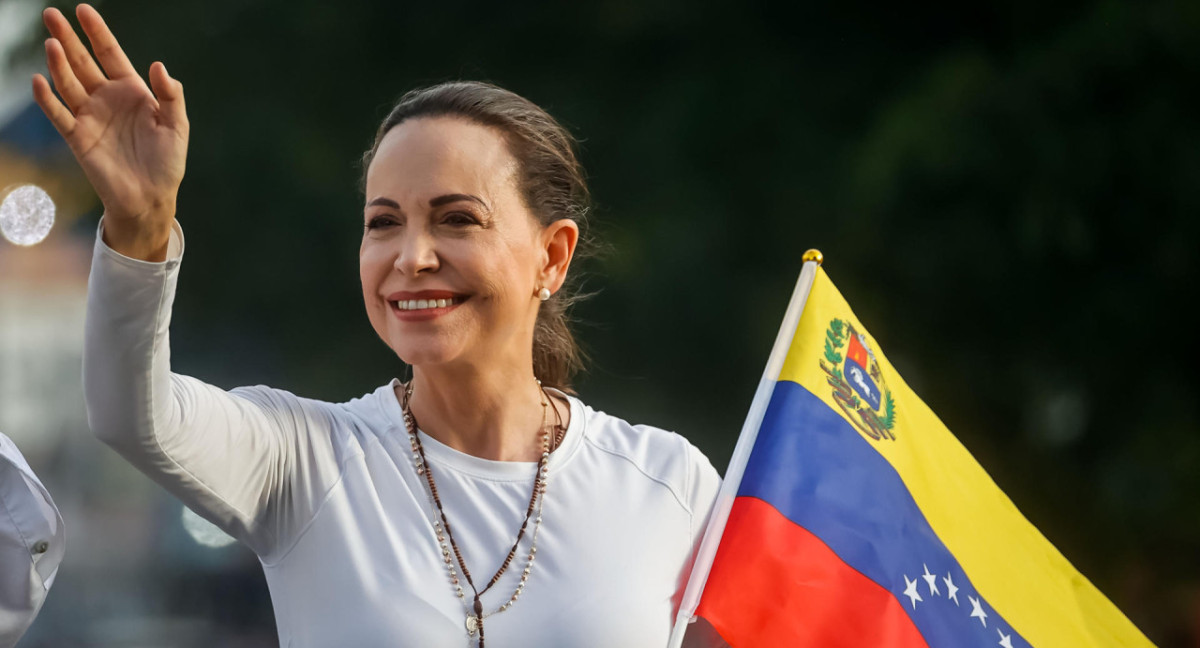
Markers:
(512, 511)
(545, 187)
(480, 247)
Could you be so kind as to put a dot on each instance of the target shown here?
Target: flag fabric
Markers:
(857, 519)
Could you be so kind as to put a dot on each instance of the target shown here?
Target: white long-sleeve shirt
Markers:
(31, 543)
(327, 496)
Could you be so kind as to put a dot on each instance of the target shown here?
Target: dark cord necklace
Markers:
(441, 525)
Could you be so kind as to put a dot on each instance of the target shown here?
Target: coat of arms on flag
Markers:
(850, 516)
(858, 381)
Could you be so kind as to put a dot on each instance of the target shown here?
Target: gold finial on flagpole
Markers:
(813, 255)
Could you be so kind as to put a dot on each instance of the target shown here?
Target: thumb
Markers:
(169, 92)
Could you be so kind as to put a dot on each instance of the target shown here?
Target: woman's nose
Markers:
(418, 253)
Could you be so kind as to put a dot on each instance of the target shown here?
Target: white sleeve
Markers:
(254, 461)
(703, 484)
(31, 544)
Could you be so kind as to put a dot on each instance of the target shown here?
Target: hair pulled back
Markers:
(550, 180)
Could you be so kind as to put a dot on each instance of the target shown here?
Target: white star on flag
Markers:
(977, 610)
(911, 591)
(951, 590)
(1005, 640)
(932, 580)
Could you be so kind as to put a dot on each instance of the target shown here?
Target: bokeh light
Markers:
(27, 215)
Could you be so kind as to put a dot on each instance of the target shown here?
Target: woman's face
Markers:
(451, 259)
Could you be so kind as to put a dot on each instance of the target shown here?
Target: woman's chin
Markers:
(424, 355)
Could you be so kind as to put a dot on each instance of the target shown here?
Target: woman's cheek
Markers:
(373, 262)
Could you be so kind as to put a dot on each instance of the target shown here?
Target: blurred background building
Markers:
(1007, 192)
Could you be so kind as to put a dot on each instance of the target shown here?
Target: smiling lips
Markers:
(423, 305)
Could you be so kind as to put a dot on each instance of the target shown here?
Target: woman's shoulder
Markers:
(366, 412)
(619, 436)
(660, 454)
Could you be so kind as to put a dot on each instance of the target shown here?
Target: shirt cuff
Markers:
(174, 246)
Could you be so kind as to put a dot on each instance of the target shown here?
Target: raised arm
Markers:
(255, 460)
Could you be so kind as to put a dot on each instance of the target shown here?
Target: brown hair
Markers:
(550, 180)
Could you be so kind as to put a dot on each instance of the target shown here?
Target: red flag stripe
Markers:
(775, 584)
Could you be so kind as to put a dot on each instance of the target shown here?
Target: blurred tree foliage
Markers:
(1007, 192)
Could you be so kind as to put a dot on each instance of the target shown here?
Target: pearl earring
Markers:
(544, 294)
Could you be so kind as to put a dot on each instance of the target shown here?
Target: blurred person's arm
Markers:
(31, 544)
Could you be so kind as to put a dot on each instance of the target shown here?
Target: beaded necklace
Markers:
(441, 525)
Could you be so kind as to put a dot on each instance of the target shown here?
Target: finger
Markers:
(169, 92)
(81, 60)
(68, 86)
(56, 112)
(112, 58)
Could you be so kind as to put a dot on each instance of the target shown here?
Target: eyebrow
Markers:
(452, 198)
(384, 202)
(433, 202)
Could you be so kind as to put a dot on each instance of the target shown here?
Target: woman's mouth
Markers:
(415, 306)
(425, 304)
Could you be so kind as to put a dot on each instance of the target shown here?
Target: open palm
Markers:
(131, 141)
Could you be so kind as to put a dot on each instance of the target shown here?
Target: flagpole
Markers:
(741, 452)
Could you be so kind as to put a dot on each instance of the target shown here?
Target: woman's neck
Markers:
(495, 415)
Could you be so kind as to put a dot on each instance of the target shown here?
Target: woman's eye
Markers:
(460, 218)
(380, 222)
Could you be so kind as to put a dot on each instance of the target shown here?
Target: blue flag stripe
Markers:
(817, 470)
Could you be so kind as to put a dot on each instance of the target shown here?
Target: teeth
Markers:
(421, 304)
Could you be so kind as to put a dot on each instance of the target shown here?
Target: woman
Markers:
(515, 514)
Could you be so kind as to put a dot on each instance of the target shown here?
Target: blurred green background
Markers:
(1006, 192)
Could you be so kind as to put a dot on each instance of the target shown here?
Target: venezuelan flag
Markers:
(852, 517)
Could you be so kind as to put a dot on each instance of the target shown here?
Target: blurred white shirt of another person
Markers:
(31, 543)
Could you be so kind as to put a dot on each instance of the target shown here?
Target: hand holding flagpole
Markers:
(130, 138)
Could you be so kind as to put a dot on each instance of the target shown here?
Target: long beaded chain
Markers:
(441, 525)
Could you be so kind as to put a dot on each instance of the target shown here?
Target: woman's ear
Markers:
(558, 241)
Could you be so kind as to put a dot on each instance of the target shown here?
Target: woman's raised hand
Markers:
(130, 141)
